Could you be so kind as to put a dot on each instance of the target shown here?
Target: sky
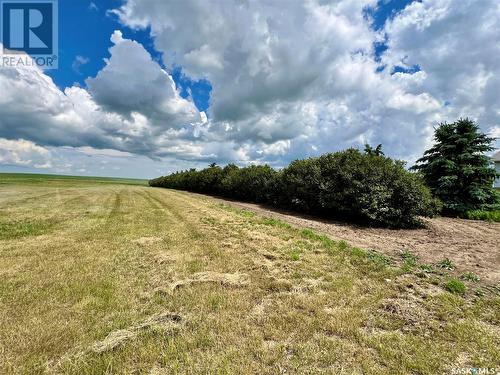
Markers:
(147, 87)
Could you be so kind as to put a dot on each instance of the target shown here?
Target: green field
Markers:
(111, 276)
(57, 180)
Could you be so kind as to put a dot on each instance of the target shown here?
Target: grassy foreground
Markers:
(121, 278)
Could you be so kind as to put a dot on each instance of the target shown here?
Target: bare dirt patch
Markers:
(471, 245)
(145, 241)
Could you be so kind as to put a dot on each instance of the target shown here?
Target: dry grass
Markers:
(472, 245)
(113, 278)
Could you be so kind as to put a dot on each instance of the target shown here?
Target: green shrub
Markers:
(373, 189)
(254, 183)
(360, 187)
(300, 186)
(455, 286)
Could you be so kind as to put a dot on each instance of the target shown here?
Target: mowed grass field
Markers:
(111, 276)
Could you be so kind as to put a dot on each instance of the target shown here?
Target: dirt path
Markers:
(471, 245)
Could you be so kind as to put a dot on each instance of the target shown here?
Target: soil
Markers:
(472, 246)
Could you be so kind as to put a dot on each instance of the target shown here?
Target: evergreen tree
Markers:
(377, 151)
(456, 169)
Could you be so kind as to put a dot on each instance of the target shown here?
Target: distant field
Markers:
(110, 276)
(48, 179)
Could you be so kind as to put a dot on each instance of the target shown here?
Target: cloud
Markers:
(79, 62)
(460, 61)
(286, 83)
(306, 77)
(131, 106)
(23, 153)
(309, 76)
(132, 83)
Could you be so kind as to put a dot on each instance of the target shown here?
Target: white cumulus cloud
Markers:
(287, 82)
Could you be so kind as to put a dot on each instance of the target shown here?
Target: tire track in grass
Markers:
(115, 209)
(181, 218)
(156, 207)
(201, 206)
(203, 211)
(221, 229)
(109, 211)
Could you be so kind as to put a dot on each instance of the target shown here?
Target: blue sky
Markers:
(386, 9)
(84, 40)
(147, 87)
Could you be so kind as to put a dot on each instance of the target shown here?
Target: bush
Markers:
(253, 183)
(374, 189)
(360, 187)
(299, 186)
(368, 188)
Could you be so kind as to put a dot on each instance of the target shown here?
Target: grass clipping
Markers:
(165, 321)
(225, 279)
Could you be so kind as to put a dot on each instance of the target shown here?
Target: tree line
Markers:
(347, 185)
(365, 187)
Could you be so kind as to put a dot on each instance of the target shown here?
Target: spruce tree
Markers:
(377, 151)
(457, 170)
